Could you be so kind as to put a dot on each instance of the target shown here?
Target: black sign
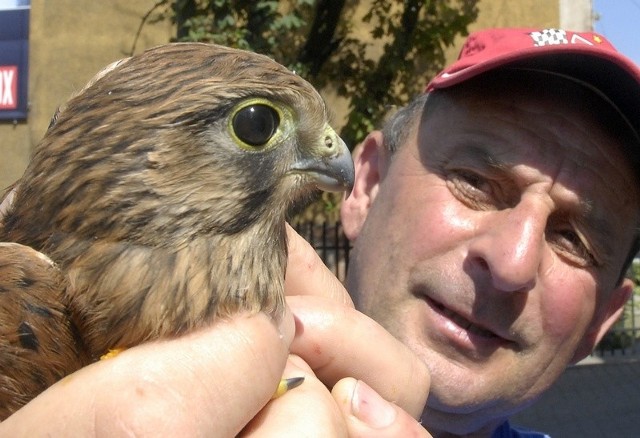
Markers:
(14, 62)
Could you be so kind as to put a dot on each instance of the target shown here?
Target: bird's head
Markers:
(184, 140)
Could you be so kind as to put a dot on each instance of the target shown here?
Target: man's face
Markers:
(493, 248)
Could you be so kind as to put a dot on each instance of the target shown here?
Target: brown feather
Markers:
(38, 343)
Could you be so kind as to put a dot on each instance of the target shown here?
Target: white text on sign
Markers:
(8, 87)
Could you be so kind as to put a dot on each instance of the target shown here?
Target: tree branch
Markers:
(321, 42)
(143, 22)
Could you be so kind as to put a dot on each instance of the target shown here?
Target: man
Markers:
(493, 220)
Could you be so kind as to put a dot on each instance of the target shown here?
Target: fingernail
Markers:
(370, 408)
(285, 325)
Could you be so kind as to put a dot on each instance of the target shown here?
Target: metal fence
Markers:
(333, 247)
(330, 243)
(624, 338)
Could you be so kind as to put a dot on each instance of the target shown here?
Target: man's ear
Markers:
(606, 319)
(370, 160)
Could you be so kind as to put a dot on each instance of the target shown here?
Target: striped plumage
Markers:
(160, 193)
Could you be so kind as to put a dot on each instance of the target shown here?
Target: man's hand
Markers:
(208, 383)
(337, 347)
(351, 409)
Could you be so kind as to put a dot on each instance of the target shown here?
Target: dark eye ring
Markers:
(255, 124)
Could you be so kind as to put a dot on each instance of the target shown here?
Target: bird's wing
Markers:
(37, 342)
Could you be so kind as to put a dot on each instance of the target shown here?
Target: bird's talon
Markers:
(287, 384)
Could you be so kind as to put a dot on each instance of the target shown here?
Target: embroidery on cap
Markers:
(577, 39)
(549, 37)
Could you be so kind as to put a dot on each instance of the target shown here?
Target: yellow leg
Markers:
(113, 352)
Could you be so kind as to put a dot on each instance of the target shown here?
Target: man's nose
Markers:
(510, 245)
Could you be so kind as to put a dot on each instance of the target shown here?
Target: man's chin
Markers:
(444, 422)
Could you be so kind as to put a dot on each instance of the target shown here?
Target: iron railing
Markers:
(624, 337)
(330, 243)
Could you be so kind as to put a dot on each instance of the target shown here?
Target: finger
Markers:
(338, 341)
(368, 415)
(210, 382)
(308, 275)
(309, 410)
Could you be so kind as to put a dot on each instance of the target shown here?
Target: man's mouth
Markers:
(457, 329)
(462, 322)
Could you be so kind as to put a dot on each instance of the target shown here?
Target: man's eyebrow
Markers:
(488, 159)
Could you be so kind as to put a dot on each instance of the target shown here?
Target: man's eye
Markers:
(472, 189)
(571, 246)
(474, 180)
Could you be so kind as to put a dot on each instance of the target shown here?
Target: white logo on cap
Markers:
(549, 37)
(577, 39)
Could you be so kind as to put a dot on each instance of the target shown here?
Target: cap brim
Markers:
(615, 76)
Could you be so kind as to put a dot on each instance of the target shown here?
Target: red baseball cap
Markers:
(585, 56)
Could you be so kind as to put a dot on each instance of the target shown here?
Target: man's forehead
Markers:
(522, 87)
(551, 133)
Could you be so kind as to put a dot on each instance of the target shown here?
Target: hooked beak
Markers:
(328, 163)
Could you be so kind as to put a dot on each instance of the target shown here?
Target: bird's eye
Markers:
(255, 124)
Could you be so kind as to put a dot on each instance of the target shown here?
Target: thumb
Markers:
(367, 414)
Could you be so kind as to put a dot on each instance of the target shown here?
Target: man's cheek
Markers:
(567, 309)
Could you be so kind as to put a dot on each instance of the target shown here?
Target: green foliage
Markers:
(626, 331)
(631, 315)
(632, 308)
(374, 54)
